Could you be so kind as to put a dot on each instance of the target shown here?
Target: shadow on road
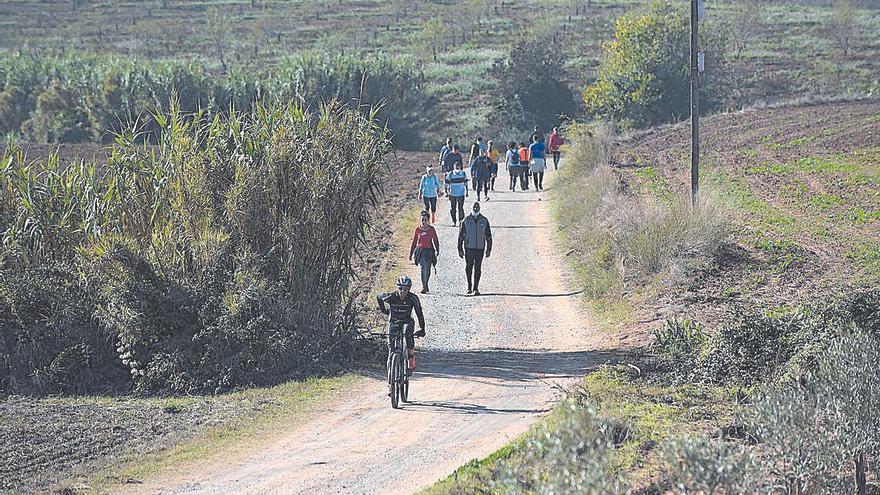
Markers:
(494, 227)
(467, 408)
(512, 366)
(515, 294)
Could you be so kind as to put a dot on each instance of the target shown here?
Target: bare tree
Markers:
(747, 21)
(843, 25)
(219, 26)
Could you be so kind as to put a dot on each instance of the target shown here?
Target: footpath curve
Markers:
(489, 367)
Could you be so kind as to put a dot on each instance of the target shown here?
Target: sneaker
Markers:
(470, 291)
(476, 292)
(424, 290)
(487, 198)
(454, 223)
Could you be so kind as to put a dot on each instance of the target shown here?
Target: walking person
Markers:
(538, 163)
(511, 163)
(445, 151)
(429, 189)
(524, 166)
(480, 172)
(457, 183)
(553, 144)
(474, 243)
(449, 162)
(425, 249)
(493, 164)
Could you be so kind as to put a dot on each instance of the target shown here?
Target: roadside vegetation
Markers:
(188, 267)
(777, 395)
(76, 99)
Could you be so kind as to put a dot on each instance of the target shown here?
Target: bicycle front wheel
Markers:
(404, 384)
(394, 372)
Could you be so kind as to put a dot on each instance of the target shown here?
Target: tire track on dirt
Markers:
(489, 367)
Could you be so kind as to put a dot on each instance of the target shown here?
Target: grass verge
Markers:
(276, 409)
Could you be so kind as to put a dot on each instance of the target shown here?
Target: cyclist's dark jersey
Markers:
(401, 309)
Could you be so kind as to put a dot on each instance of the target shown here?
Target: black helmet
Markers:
(404, 282)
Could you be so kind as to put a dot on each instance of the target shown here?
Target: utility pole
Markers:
(696, 58)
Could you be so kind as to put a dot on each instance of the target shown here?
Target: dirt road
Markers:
(489, 367)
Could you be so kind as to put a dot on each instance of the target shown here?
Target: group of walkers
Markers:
(525, 164)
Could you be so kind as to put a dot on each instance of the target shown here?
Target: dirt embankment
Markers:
(801, 185)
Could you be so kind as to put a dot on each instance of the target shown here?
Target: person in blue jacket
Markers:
(457, 185)
(429, 190)
(537, 152)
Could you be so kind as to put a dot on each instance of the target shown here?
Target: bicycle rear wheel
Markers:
(394, 374)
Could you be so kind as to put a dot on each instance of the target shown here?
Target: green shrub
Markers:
(643, 77)
(699, 465)
(570, 455)
(679, 343)
(84, 98)
(752, 346)
(49, 342)
(532, 90)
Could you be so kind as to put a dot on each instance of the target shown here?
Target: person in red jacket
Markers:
(425, 249)
(553, 144)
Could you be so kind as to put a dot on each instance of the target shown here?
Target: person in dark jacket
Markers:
(399, 305)
(481, 173)
(474, 243)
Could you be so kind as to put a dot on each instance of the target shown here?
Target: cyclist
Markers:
(400, 305)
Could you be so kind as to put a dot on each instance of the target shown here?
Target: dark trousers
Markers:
(482, 185)
(555, 160)
(538, 179)
(524, 178)
(430, 204)
(425, 262)
(407, 328)
(473, 267)
(456, 204)
(514, 173)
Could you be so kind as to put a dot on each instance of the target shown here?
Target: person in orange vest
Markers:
(524, 159)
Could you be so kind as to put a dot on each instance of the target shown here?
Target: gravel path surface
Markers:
(489, 367)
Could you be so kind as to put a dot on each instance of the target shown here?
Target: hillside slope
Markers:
(801, 185)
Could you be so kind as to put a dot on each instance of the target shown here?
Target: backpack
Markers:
(515, 159)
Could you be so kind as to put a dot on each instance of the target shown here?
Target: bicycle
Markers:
(397, 364)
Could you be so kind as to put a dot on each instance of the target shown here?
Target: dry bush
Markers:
(622, 238)
(220, 259)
